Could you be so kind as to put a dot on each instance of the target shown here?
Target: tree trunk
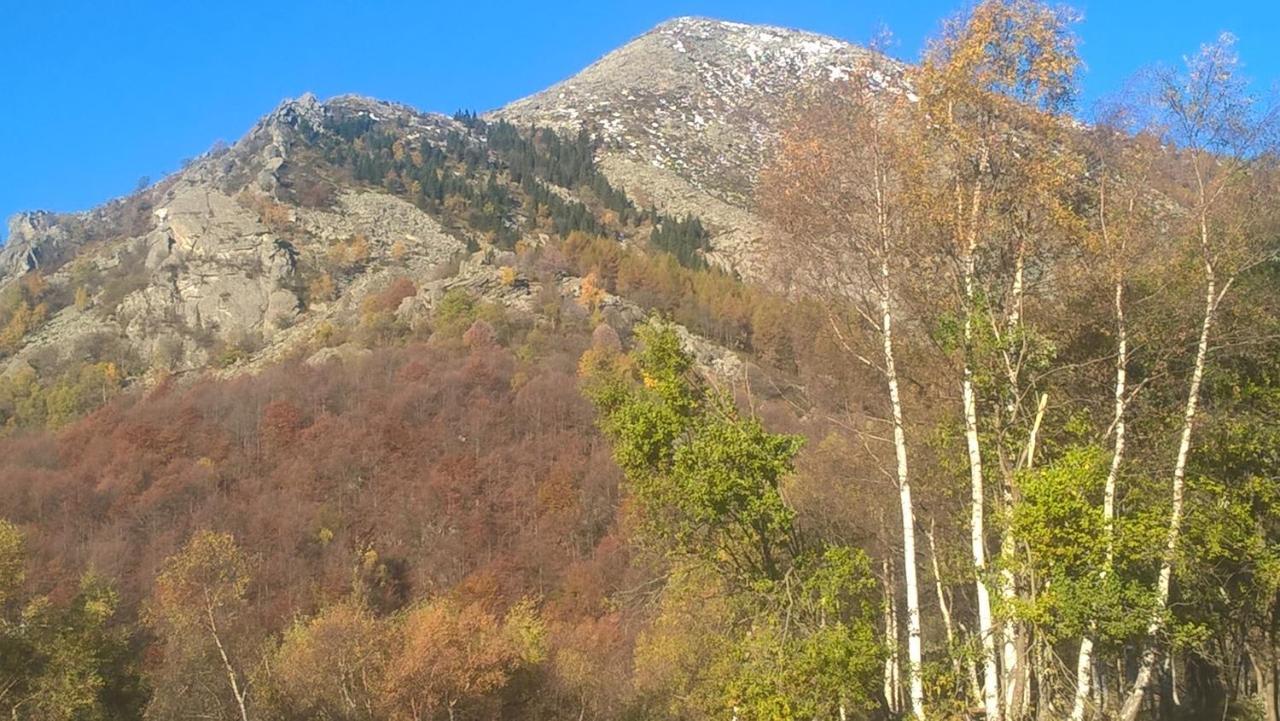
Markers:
(226, 663)
(914, 654)
(977, 525)
(1012, 643)
(1084, 660)
(1017, 667)
(892, 678)
(975, 689)
(1264, 673)
(1146, 669)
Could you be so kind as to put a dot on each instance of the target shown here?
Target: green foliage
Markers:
(800, 650)
(757, 621)
(27, 402)
(496, 178)
(1230, 561)
(706, 479)
(61, 662)
(1060, 520)
(684, 238)
(455, 313)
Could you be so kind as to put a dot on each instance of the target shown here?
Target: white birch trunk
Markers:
(1141, 684)
(914, 653)
(1012, 650)
(1084, 660)
(891, 676)
(236, 691)
(977, 524)
(1010, 666)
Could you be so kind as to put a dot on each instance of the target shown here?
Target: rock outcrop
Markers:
(33, 236)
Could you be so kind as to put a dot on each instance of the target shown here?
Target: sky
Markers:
(99, 94)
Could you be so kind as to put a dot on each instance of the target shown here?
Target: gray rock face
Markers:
(386, 221)
(33, 237)
(219, 251)
(222, 272)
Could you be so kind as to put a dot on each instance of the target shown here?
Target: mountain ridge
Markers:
(230, 261)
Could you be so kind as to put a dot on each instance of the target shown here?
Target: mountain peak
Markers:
(700, 97)
(711, 28)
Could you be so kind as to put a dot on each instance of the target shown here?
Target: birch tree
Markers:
(1122, 230)
(993, 78)
(836, 189)
(1221, 134)
(198, 609)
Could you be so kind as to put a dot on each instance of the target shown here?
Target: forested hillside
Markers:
(378, 415)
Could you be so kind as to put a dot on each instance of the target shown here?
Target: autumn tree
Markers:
(1229, 574)
(454, 657)
(1222, 133)
(330, 666)
(836, 187)
(1123, 227)
(707, 485)
(198, 610)
(992, 91)
(60, 661)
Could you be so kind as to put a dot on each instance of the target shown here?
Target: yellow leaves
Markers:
(322, 289)
(525, 628)
(1021, 49)
(592, 292)
(507, 276)
(325, 333)
(34, 286)
(12, 560)
(398, 251)
(111, 373)
(358, 249)
(207, 578)
(24, 320)
(328, 664)
(350, 254)
(82, 298)
(452, 652)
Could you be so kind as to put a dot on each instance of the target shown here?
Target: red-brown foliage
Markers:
(418, 472)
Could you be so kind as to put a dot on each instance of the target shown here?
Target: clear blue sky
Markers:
(98, 94)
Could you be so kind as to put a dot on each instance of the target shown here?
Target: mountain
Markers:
(245, 255)
(687, 112)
